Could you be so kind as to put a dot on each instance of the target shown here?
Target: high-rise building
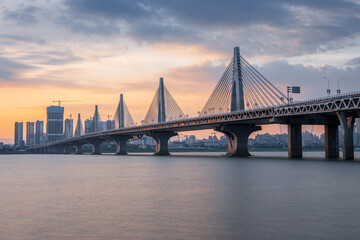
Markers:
(39, 133)
(69, 129)
(110, 124)
(88, 123)
(55, 123)
(101, 126)
(30, 133)
(18, 134)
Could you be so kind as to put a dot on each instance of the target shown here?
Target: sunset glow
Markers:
(89, 53)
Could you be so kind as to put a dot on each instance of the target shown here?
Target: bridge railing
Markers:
(322, 99)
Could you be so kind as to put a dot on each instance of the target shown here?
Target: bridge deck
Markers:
(271, 115)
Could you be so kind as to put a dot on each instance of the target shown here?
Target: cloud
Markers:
(10, 69)
(89, 26)
(354, 62)
(311, 79)
(123, 9)
(53, 57)
(22, 15)
(23, 39)
(298, 27)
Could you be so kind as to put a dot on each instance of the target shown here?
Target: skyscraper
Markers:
(18, 134)
(110, 124)
(39, 134)
(88, 123)
(55, 123)
(30, 133)
(69, 129)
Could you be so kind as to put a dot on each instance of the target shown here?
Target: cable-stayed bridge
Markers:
(241, 102)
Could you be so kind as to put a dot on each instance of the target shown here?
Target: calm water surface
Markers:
(178, 197)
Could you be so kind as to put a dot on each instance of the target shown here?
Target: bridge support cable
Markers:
(152, 113)
(79, 127)
(294, 141)
(242, 87)
(172, 109)
(163, 107)
(259, 89)
(221, 95)
(272, 91)
(347, 130)
(237, 136)
(122, 115)
(275, 91)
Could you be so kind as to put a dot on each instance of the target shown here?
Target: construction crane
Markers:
(70, 115)
(60, 101)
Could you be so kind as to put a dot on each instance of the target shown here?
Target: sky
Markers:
(90, 51)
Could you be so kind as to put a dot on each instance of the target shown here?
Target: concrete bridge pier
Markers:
(237, 136)
(162, 141)
(65, 149)
(121, 144)
(96, 147)
(347, 130)
(78, 148)
(331, 141)
(294, 141)
(55, 150)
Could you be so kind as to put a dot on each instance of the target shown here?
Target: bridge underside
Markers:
(237, 136)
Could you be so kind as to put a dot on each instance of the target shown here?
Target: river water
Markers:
(178, 197)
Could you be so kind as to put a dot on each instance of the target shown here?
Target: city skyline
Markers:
(91, 52)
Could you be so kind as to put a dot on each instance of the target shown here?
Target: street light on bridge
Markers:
(338, 91)
(328, 89)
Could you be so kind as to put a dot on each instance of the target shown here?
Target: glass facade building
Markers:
(55, 123)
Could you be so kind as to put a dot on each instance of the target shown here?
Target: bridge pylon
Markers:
(237, 92)
(242, 87)
(163, 106)
(121, 112)
(95, 121)
(79, 127)
(122, 115)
